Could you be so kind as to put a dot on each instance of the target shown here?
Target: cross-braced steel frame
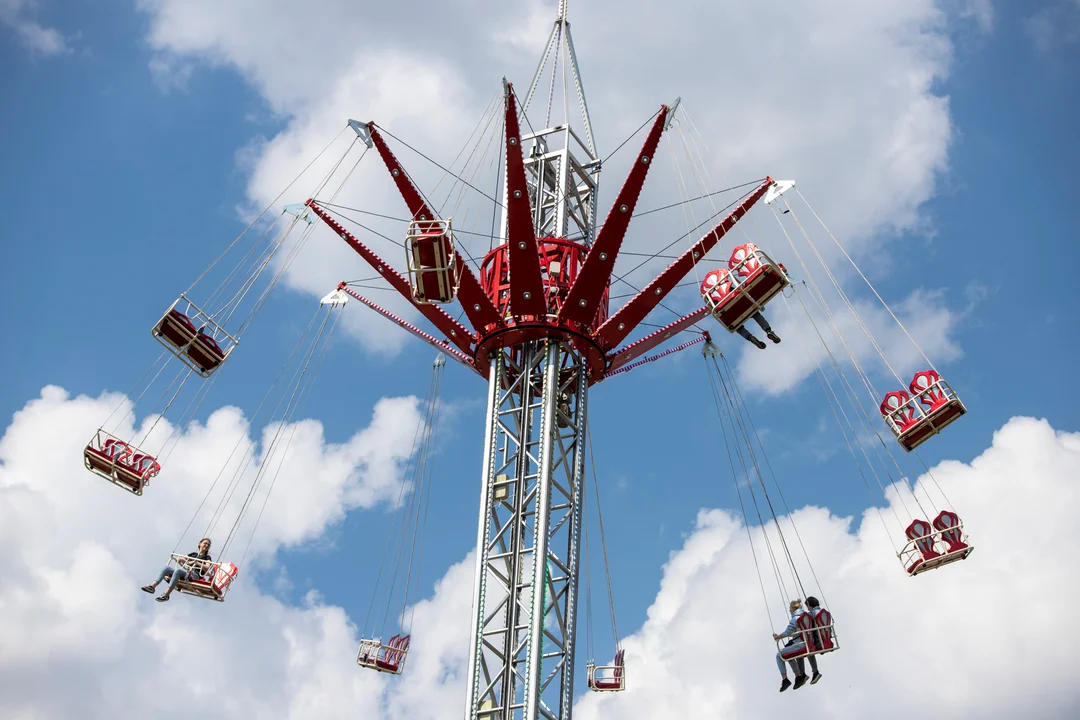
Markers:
(521, 663)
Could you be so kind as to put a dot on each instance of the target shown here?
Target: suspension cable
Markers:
(868, 283)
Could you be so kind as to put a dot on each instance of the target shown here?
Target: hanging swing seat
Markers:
(207, 580)
(750, 282)
(816, 636)
(432, 262)
(119, 462)
(608, 678)
(388, 658)
(193, 336)
(916, 418)
(932, 546)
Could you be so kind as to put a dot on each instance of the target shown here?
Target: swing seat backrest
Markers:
(717, 287)
(806, 632)
(948, 524)
(922, 533)
(824, 635)
(145, 466)
(744, 260)
(223, 576)
(115, 449)
(924, 386)
(394, 653)
(619, 657)
(897, 409)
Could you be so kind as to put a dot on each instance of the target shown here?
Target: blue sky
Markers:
(121, 188)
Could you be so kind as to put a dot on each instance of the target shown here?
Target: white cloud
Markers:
(778, 369)
(840, 96)
(78, 549)
(19, 16)
(978, 639)
(1054, 24)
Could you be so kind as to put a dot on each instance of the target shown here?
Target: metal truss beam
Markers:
(525, 607)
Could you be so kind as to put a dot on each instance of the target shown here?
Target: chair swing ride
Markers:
(542, 335)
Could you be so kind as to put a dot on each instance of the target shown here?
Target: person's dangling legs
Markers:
(750, 338)
(760, 319)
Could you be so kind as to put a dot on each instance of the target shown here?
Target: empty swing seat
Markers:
(933, 546)
(431, 261)
(608, 678)
(752, 279)
(212, 579)
(387, 658)
(119, 463)
(916, 418)
(192, 335)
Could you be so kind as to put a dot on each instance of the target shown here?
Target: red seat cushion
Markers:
(176, 328)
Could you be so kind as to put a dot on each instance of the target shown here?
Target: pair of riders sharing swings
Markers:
(187, 570)
(795, 650)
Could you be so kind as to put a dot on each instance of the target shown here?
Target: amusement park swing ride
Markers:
(534, 318)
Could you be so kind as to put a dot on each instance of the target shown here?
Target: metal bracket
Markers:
(301, 211)
(777, 189)
(363, 131)
(338, 297)
(669, 119)
(709, 349)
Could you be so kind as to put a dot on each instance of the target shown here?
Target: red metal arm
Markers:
(647, 343)
(585, 295)
(455, 331)
(474, 300)
(622, 323)
(526, 286)
(440, 345)
(657, 356)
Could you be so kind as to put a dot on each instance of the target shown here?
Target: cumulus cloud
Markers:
(1055, 24)
(78, 549)
(18, 15)
(841, 96)
(976, 639)
(924, 314)
(982, 637)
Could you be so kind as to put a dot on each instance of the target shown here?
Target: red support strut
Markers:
(527, 296)
(455, 331)
(477, 306)
(622, 323)
(595, 275)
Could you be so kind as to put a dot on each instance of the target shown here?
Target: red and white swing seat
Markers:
(213, 581)
(193, 336)
(932, 546)
(816, 636)
(751, 280)
(431, 261)
(388, 657)
(119, 462)
(608, 678)
(916, 418)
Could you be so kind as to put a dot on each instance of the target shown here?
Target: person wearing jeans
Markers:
(177, 574)
(792, 647)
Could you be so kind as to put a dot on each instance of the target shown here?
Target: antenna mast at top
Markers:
(562, 164)
(560, 47)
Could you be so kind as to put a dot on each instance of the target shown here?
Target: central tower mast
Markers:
(521, 662)
(540, 330)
